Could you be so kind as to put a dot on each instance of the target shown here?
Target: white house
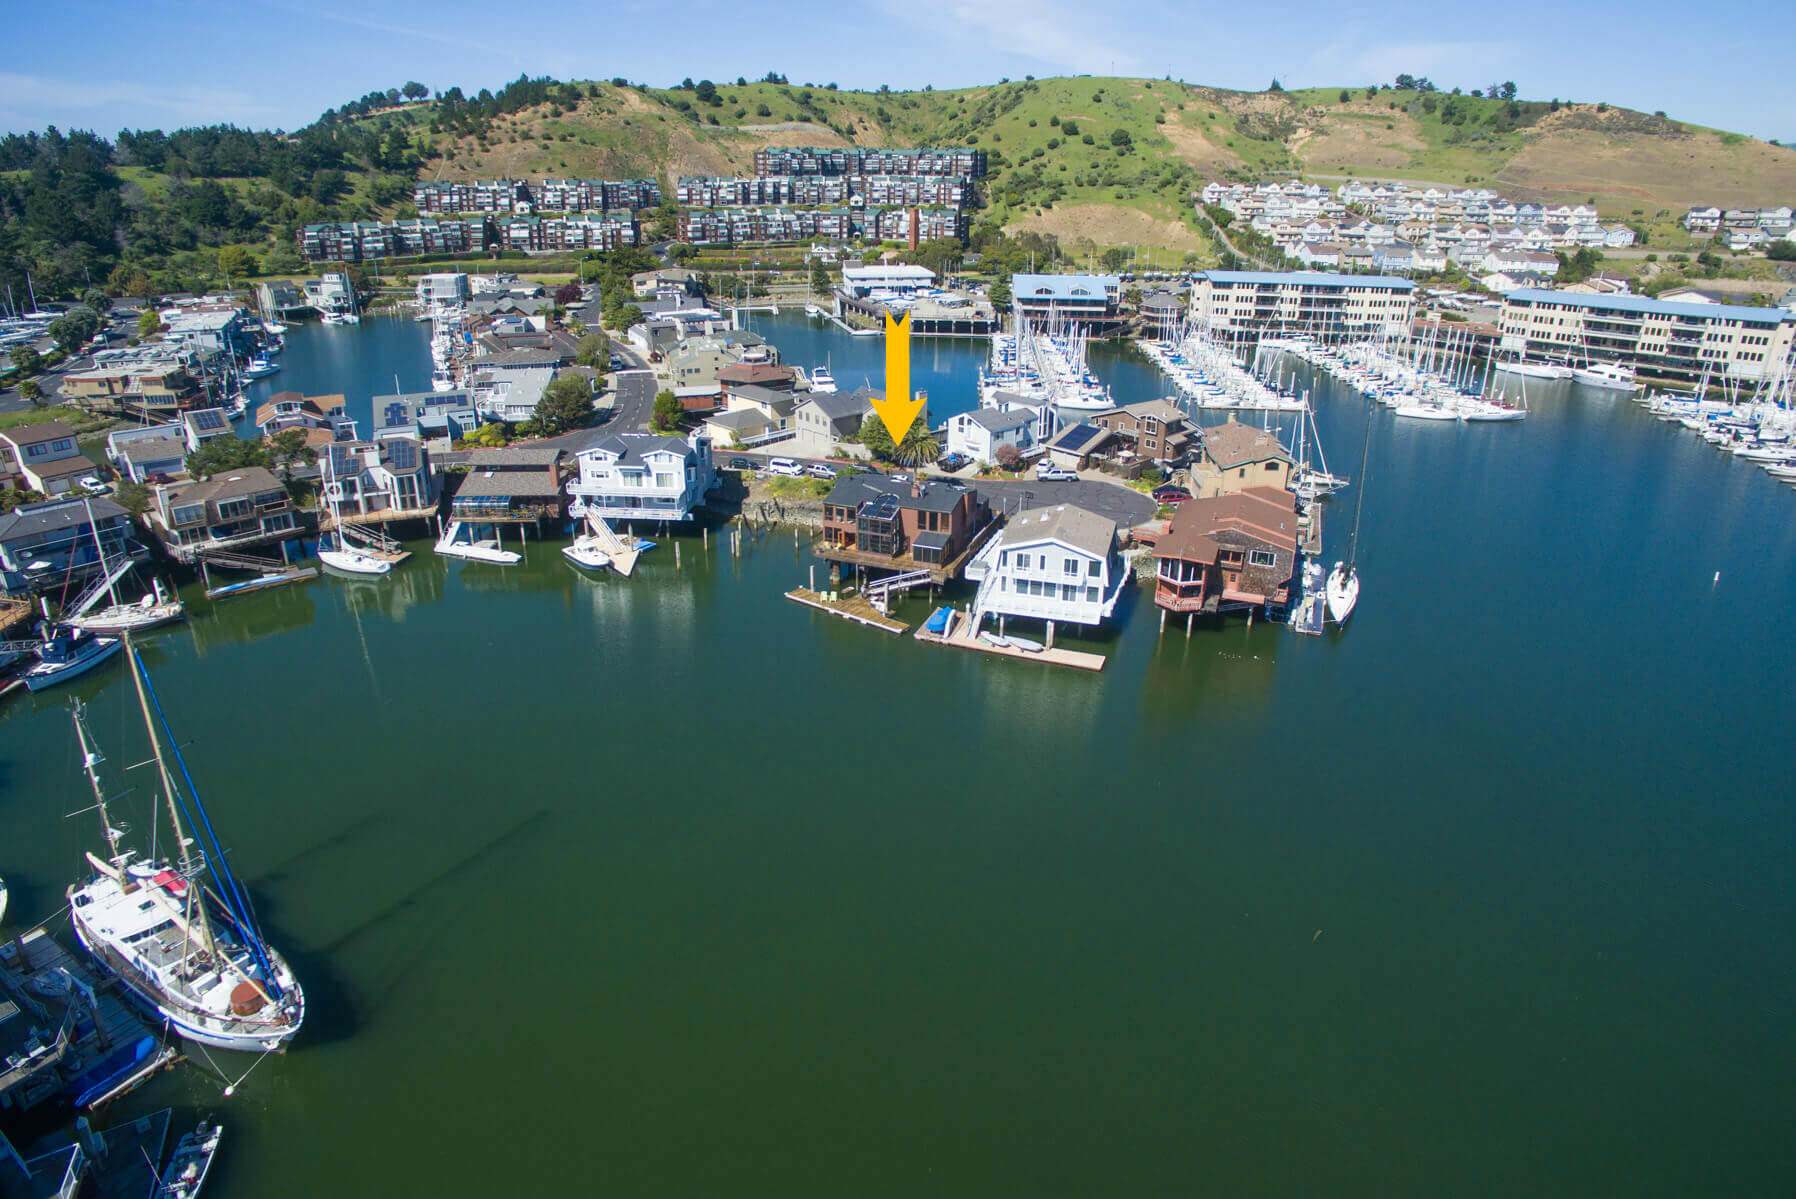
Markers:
(510, 395)
(1057, 564)
(640, 476)
(979, 434)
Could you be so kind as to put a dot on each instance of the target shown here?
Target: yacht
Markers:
(453, 544)
(179, 935)
(822, 381)
(66, 653)
(1607, 375)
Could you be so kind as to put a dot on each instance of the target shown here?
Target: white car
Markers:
(94, 484)
(1047, 472)
(784, 466)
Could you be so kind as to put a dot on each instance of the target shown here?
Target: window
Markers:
(1091, 595)
(233, 509)
(1262, 558)
(187, 514)
(1069, 592)
(1022, 561)
(1070, 567)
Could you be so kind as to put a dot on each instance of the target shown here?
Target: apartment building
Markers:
(862, 160)
(1663, 338)
(1303, 301)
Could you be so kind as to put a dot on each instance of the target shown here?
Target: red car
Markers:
(1170, 495)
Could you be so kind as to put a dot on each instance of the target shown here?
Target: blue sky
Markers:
(277, 64)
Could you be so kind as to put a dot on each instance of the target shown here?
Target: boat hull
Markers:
(595, 561)
(131, 619)
(347, 562)
(1342, 593)
(40, 680)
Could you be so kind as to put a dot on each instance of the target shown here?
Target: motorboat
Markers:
(189, 1164)
(1610, 376)
(1426, 411)
(1534, 370)
(66, 653)
(822, 381)
(587, 554)
(452, 544)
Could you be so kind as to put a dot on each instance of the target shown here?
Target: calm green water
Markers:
(669, 886)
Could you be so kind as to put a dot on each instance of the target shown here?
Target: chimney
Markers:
(915, 223)
(916, 487)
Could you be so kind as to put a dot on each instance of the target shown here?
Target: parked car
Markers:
(953, 461)
(818, 470)
(784, 466)
(741, 464)
(617, 364)
(94, 484)
(1047, 472)
(1170, 494)
(157, 477)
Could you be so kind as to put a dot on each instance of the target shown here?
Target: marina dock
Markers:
(962, 633)
(848, 607)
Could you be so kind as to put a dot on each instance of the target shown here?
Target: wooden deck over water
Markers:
(962, 634)
(848, 607)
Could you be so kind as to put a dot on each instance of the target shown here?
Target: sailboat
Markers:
(343, 557)
(1342, 588)
(147, 613)
(191, 954)
(65, 654)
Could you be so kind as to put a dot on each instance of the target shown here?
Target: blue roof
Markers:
(1063, 287)
(1646, 304)
(1324, 278)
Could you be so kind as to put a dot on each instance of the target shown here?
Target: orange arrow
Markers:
(899, 408)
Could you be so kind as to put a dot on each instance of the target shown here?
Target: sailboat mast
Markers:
(90, 760)
(100, 549)
(1359, 499)
(197, 911)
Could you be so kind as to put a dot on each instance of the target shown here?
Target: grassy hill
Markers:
(1099, 162)
(1087, 185)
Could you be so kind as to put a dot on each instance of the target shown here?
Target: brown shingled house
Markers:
(1152, 429)
(1232, 551)
(1232, 457)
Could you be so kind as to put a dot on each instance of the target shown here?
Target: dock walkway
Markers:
(848, 607)
(962, 633)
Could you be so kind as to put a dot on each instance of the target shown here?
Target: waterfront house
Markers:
(319, 416)
(980, 434)
(1230, 551)
(425, 415)
(1233, 457)
(233, 512)
(279, 299)
(873, 520)
(50, 544)
(1153, 429)
(1057, 564)
(1093, 300)
(510, 396)
(203, 424)
(693, 366)
(392, 477)
(43, 458)
(518, 484)
(640, 476)
(146, 450)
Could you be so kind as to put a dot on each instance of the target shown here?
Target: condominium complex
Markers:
(1668, 339)
(517, 197)
(1302, 302)
(725, 226)
(362, 241)
(861, 160)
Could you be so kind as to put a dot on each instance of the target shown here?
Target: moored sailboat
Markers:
(192, 955)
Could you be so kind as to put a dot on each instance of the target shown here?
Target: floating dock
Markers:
(848, 607)
(962, 633)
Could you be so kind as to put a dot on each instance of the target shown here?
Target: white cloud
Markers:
(35, 98)
(1052, 32)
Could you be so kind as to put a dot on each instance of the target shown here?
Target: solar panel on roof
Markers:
(402, 454)
(396, 415)
(207, 418)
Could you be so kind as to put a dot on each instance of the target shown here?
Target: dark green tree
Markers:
(97, 300)
(225, 453)
(667, 412)
(594, 349)
(566, 404)
(288, 447)
(72, 329)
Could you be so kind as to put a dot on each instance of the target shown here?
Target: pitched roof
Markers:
(50, 430)
(515, 455)
(245, 480)
(993, 421)
(836, 404)
(1078, 439)
(52, 516)
(630, 447)
(856, 489)
(1267, 514)
(152, 449)
(1232, 444)
(1067, 523)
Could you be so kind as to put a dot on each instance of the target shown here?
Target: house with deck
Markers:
(1153, 429)
(1057, 564)
(641, 476)
(425, 415)
(148, 450)
(51, 543)
(875, 521)
(826, 419)
(390, 477)
(512, 484)
(320, 417)
(231, 512)
(983, 432)
(1235, 551)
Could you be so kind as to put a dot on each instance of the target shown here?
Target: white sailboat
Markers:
(191, 954)
(147, 613)
(1342, 588)
(343, 557)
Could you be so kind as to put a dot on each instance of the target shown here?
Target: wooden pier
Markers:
(962, 633)
(848, 607)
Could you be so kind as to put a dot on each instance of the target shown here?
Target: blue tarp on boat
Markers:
(938, 621)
